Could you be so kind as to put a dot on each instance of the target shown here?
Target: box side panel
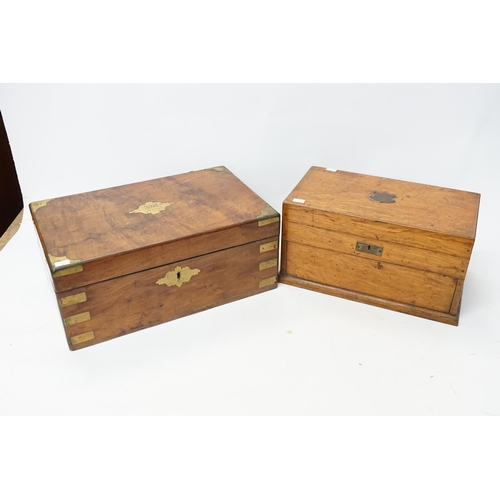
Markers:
(112, 308)
(371, 277)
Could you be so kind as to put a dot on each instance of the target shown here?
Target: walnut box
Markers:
(130, 257)
(394, 244)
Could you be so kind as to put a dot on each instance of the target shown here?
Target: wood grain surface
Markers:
(417, 206)
(123, 305)
(403, 255)
(375, 231)
(109, 233)
(448, 318)
(371, 277)
(426, 238)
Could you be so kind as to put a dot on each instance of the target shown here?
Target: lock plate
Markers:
(368, 248)
(178, 276)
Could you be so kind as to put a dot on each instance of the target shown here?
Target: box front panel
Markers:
(105, 310)
(383, 251)
(372, 277)
(402, 235)
(149, 257)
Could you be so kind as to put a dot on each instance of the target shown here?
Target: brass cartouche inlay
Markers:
(151, 207)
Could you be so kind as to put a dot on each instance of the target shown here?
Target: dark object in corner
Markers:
(11, 199)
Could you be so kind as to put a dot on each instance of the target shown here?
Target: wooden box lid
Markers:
(404, 212)
(112, 232)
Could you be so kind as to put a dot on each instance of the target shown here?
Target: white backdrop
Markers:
(286, 352)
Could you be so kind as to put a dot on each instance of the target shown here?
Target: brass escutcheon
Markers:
(178, 276)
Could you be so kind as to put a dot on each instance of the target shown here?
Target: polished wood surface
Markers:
(207, 210)
(417, 206)
(450, 319)
(403, 255)
(156, 255)
(127, 258)
(377, 231)
(426, 235)
(134, 302)
(371, 277)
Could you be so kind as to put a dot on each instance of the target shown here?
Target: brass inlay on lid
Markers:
(83, 337)
(178, 276)
(268, 264)
(71, 300)
(267, 282)
(266, 247)
(151, 207)
(77, 318)
(383, 197)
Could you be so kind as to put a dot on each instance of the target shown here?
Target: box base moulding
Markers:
(450, 319)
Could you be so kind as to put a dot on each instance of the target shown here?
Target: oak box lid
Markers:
(103, 234)
(430, 213)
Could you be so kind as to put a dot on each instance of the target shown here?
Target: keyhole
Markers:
(178, 275)
(369, 247)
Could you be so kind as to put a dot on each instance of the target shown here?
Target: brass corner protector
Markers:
(268, 211)
(35, 205)
(220, 169)
(268, 216)
(62, 266)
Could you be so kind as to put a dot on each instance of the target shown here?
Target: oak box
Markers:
(134, 256)
(394, 244)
